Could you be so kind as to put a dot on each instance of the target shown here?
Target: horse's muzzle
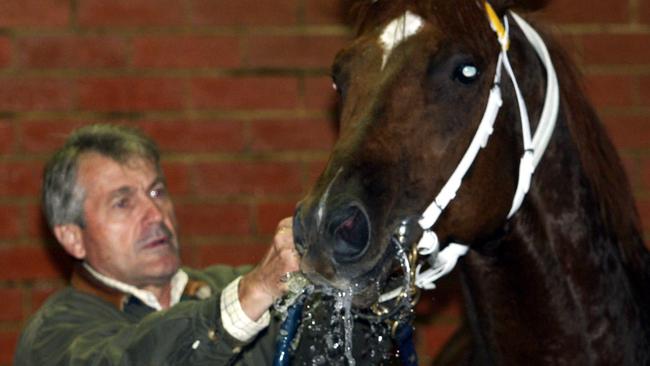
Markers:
(346, 230)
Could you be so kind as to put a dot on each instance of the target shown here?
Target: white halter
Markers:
(441, 263)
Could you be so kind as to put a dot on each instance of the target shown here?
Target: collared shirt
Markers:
(234, 319)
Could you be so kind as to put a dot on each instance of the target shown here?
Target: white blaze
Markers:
(397, 31)
(323, 199)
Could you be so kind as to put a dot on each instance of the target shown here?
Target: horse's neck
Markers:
(555, 284)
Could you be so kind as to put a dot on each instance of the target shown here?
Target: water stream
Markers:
(329, 332)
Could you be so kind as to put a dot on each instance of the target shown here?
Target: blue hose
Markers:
(405, 344)
(287, 333)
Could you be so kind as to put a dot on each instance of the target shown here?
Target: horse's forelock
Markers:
(459, 20)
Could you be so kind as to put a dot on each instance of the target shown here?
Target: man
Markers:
(129, 303)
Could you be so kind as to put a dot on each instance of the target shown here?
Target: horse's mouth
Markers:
(365, 288)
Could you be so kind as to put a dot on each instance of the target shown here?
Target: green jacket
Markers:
(88, 323)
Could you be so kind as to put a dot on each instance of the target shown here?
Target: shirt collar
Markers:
(178, 283)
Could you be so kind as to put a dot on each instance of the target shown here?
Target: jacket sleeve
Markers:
(88, 333)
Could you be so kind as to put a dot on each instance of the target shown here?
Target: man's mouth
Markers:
(156, 242)
(155, 237)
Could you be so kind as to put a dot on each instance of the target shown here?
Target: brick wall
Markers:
(237, 94)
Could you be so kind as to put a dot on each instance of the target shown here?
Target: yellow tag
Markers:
(497, 25)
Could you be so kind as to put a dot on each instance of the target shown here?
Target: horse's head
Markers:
(413, 87)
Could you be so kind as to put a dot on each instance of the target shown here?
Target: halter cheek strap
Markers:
(442, 262)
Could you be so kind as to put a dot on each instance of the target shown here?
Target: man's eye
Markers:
(122, 203)
(158, 192)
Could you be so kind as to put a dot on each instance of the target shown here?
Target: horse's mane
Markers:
(603, 169)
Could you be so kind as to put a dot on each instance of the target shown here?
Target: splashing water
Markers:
(331, 334)
(298, 284)
(344, 302)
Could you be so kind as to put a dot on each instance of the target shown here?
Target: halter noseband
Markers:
(442, 262)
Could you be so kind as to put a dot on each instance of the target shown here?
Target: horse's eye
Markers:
(466, 73)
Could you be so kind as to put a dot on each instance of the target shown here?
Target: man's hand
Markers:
(259, 288)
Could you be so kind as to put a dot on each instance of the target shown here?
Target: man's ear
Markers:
(69, 235)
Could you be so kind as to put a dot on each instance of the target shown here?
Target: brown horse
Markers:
(565, 279)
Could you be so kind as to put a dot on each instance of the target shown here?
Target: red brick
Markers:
(569, 11)
(6, 52)
(213, 219)
(189, 253)
(571, 44)
(314, 171)
(22, 179)
(268, 215)
(35, 94)
(610, 90)
(196, 136)
(644, 11)
(130, 13)
(319, 93)
(8, 342)
(71, 52)
(616, 49)
(7, 137)
(629, 132)
(178, 178)
(130, 94)
(244, 12)
(186, 52)
(645, 174)
(37, 226)
(231, 254)
(10, 217)
(41, 294)
(11, 306)
(29, 263)
(45, 136)
(431, 338)
(292, 135)
(248, 178)
(294, 51)
(245, 92)
(631, 166)
(34, 13)
(643, 205)
(325, 11)
(644, 90)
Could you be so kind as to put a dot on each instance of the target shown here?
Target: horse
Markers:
(556, 275)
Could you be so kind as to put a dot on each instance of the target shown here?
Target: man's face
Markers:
(130, 231)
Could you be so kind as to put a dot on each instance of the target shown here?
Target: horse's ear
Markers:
(358, 11)
(500, 6)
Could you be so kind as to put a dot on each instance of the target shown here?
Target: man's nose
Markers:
(153, 211)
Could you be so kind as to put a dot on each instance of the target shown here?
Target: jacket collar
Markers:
(116, 293)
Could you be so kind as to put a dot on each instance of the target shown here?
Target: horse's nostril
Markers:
(351, 234)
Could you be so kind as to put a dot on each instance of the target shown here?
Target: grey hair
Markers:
(62, 197)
